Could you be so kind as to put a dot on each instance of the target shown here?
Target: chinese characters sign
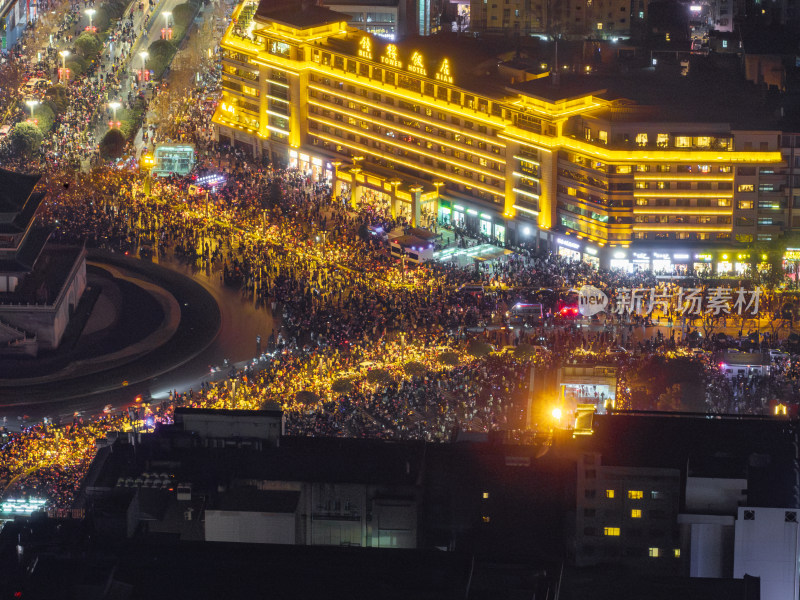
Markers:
(714, 301)
(690, 302)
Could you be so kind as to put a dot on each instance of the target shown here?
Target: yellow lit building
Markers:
(433, 132)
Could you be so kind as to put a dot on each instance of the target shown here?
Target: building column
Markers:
(416, 202)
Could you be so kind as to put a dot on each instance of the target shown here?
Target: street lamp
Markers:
(90, 13)
(64, 54)
(114, 106)
(167, 15)
(31, 104)
(144, 56)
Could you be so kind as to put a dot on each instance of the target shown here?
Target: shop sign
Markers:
(703, 257)
(568, 244)
(792, 254)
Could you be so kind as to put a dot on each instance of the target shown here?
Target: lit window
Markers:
(654, 552)
(662, 140)
(746, 187)
(725, 169)
(485, 495)
(745, 205)
(486, 519)
(677, 552)
(613, 531)
(723, 203)
(636, 514)
(661, 185)
(641, 185)
(704, 142)
(641, 14)
(635, 494)
(624, 169)
(703, 168)
(683, 141)
(667, 37)
(599, 26)
(724, 43)
(609, 493)
(641, 139)
(572, 191)
(603, 135)
(641, 202)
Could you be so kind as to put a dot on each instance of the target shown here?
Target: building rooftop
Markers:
(15, 188)
(298, 13)
(250, 499)
(50, 270)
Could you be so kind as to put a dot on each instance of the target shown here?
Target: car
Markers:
(776, 354)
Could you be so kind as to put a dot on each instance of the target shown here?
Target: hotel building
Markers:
(433, 131)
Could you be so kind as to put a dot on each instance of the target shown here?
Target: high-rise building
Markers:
(434, 132)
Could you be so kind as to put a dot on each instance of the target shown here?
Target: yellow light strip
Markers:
(668, 177)
(527, 210)
(401, 145)
(415, 132)
(518, 174)
(416, 166)
(680, 210)
(278, 130)
(672, 227)
(278, 83)
(277, 99)
(527, 160)
(680, 194)
(263, 63)
(524, 193)
(525, 141)
(420, 118)
(669, 155)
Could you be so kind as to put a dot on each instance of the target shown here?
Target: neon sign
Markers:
(417, 65)
(365, 48)
(444, 72)
(390, 58)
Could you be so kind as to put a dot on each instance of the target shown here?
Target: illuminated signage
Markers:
(661, 256)
(417, 65)
(792, 254)
(680, 256)
(591, 250)
(390, 58)
(569, 244)
(365, 48)
(703, 257)
(619, 255)
(444, 72)
(640, 256)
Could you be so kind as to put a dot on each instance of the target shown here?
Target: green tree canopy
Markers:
(88, 45)
(112, 145)
(26, 138)
(58, 97)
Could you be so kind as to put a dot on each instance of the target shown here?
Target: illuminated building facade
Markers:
(434, 136)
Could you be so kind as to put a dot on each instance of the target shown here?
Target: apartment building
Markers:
(432, 132)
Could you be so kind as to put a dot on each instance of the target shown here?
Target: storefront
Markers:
(444, 216)
(662, 263)
(619, 260)
(681, 263)
(791, 263)
(742, 264)
(702, 264)
(568, 249)
(724, 265)
(590, 257)
(641, 261)
(459, 216)
(316, 167)
(486, 224)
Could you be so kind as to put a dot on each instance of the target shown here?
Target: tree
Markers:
(26, 138)
(182, 16)
(44, 117)
(113, 144)
(161, 53)
(88, 45)
(76, 65)
(670, 400)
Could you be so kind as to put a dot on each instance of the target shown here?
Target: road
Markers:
(240, 322)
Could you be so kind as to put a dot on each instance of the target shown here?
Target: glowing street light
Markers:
(167, 15)
(64, 54)
(32, 104)
(144, 56)
(90, 13)
(114, 106)
(556, 414)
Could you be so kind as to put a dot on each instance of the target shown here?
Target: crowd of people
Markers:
(365, 347)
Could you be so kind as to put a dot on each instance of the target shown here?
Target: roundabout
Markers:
(136, 322)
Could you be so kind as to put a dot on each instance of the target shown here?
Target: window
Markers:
(746, 187)
(485, 495)
(677, 552)
(703, 141)
(745, 204)
(656, 495)
(641, 202)
(603, 135)
(683, 141)
(609, 493)
(486, 519)
(642, 185)
(636, 513)
(654, 553)
(641, 139)
(662, 140)
(723, 203)
(611, 531)
(724, 43)
(725, 169)
(635, 494)
(624, 169)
